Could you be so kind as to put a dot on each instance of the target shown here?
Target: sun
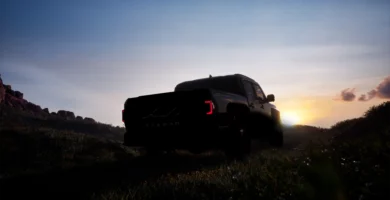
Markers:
(290, 118)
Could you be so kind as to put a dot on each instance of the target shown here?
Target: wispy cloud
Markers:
(347, 95)
(370, 95)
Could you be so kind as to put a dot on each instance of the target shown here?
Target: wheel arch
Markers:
(237, 108)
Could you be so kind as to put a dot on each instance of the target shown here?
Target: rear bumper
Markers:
(194, 137)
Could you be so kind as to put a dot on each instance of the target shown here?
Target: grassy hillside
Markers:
(33, 150)
(11, 117)
(348, 161)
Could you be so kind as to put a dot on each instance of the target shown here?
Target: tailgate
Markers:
(168, 109)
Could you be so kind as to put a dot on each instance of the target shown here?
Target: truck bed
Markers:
(171, 119)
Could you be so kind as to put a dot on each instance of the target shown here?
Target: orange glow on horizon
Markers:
(290, 118)
(321, 111)
(303, 110)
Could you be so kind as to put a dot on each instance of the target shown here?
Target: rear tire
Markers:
(151, 152)
(238, 145)
(196, 151)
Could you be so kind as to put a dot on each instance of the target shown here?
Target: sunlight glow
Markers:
(290, 118)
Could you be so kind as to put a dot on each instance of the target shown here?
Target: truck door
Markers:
(251, 95)
(261, 100)
(255, 107)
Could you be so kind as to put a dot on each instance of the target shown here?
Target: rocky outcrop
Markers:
(12, 101)
(88, 119)
(8, 90)
(18, 95)
(8, 87)
(71, 115)
(62, 113)
(16, 100)
(66, 114)
(2, 91)
(33, 108)
(46, 110)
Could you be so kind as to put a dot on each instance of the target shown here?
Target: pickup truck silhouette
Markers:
(214, 113)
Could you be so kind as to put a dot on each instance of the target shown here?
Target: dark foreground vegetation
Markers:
(348, 161)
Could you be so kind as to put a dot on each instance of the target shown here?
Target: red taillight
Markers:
(211, 107)
(123, 120)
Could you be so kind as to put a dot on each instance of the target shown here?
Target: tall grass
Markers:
(32, 150)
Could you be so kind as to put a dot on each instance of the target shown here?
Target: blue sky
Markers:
(89, 56)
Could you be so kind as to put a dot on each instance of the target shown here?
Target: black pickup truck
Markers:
(223, 113)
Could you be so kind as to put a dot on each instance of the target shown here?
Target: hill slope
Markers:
(348, 166)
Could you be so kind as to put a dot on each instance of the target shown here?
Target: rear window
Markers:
(226, 84)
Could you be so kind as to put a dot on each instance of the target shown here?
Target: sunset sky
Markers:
(88, 56)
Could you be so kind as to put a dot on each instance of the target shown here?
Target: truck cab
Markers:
(223, 112)
(236, 84)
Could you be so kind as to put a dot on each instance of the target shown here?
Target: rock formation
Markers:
(18, 95)
(88, 119)
(2, 91)
(66, 114)
(12, 101)
(16, 100)
(33, 108)
(46, 110)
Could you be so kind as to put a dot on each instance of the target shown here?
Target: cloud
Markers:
(383, 89)
(363, 98)
(370, 95)
(347, 95)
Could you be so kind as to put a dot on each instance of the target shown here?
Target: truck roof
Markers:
(228, 83)
(243, 77)
(230, 76)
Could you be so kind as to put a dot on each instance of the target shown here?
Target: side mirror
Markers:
(270, 98)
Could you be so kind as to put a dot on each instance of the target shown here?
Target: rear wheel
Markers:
(238, 145)
(153, 152)
(196, 151)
